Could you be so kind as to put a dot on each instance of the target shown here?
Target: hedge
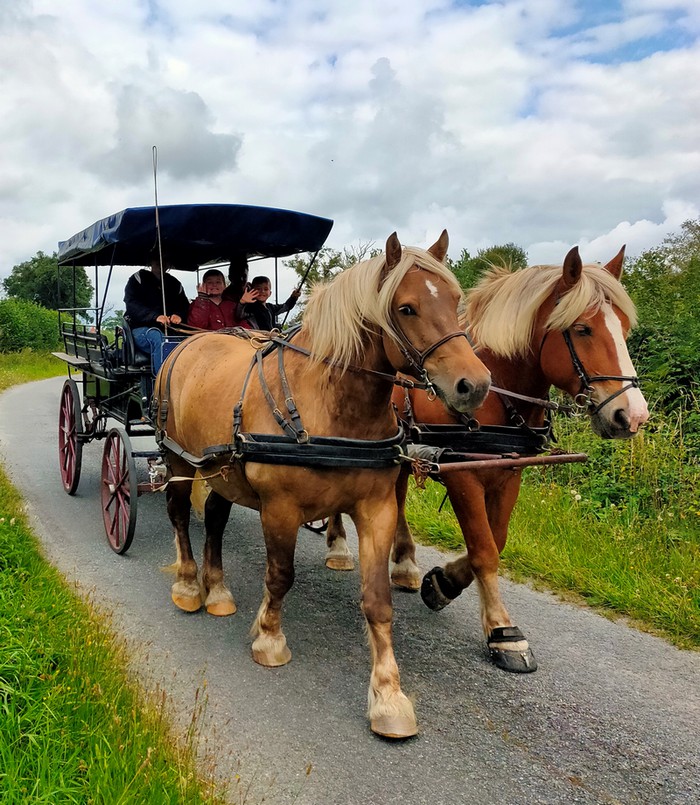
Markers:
(26, 324)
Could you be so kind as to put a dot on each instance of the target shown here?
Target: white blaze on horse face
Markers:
(432, 288)
(637, 410)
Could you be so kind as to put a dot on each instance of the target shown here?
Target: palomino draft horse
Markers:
(396, 312)
(536, 328)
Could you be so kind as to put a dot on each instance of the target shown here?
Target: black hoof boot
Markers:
(517, 662)
(437, 591)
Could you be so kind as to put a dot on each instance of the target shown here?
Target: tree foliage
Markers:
(328, 263)
(468, 269)
(665, 285)
(35, 280)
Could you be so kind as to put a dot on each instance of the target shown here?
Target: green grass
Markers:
(74, 728)
(621, 531)
(25, 366)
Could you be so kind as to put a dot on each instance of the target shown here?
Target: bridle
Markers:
(584, 397)
(416, 359)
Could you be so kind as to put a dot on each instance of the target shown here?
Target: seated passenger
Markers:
(143, 297)
(238, 278)
(210, 311)
(261, 314)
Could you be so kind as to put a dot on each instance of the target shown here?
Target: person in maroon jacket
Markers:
(210, 311)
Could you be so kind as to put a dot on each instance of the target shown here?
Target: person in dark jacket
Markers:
(143, 296)
(261, 314)
(238, 278)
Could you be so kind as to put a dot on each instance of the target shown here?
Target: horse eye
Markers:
(407, 310)
(582, 329)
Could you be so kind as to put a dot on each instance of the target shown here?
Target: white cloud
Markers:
(491, 120)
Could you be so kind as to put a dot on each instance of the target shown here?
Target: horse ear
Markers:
(393, 253)
(573, 267)
(615, 265)
(439, 248)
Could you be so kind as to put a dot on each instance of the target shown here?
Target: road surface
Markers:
(611, 716)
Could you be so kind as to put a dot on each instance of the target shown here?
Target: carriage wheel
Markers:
(319, 526)
(70, 430)
(119, 490)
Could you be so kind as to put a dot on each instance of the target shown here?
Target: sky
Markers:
(544, 123)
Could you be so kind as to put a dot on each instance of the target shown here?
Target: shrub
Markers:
(26, 324)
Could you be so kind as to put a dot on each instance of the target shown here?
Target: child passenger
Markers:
(261, 314)
(209, 311)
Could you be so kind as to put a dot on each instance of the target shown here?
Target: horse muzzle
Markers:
(466, 394)
(622, 418)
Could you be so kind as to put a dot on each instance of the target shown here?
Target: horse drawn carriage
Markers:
(220, 403)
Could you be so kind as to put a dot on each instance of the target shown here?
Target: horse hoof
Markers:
(271, 652)
(517, 661)
(406, 581)
(405, 575)
(399, 727)
(436, 590)
(222, 608)
(187, 603)
(340, 562)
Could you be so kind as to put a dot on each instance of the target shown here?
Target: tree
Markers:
(331, 262)
(664, 284)
(468, 269)
(328, 263)
(36, 280)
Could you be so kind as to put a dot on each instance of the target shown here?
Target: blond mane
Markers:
(340, 313)
(502, 308)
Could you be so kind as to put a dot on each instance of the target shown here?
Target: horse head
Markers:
(586, 355)
(424, 338)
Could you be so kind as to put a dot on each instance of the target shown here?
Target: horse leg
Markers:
(484, 526)
(185, 591)
(389, 710)
(270, 645)
(404, 570)
(338, 556)
(219, 600)
(508, 646)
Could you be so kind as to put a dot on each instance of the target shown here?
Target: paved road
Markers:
(611, 716)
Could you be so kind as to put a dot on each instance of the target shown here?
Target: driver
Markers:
(143, 297)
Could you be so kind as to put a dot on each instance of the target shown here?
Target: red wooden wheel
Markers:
(70, 430)
(119, 490)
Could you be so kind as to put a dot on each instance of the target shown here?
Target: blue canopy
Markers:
(194, 234)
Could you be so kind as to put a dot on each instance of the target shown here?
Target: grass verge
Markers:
(25, 366)
(73, 727)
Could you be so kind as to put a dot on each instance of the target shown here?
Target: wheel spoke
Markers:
(118, 490)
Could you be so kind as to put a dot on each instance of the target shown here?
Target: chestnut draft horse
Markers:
(395, 312)
(535, 328)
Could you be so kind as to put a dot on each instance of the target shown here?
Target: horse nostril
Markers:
(621, 418)
(464, 386)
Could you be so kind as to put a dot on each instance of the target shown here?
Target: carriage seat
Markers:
(133, 359)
